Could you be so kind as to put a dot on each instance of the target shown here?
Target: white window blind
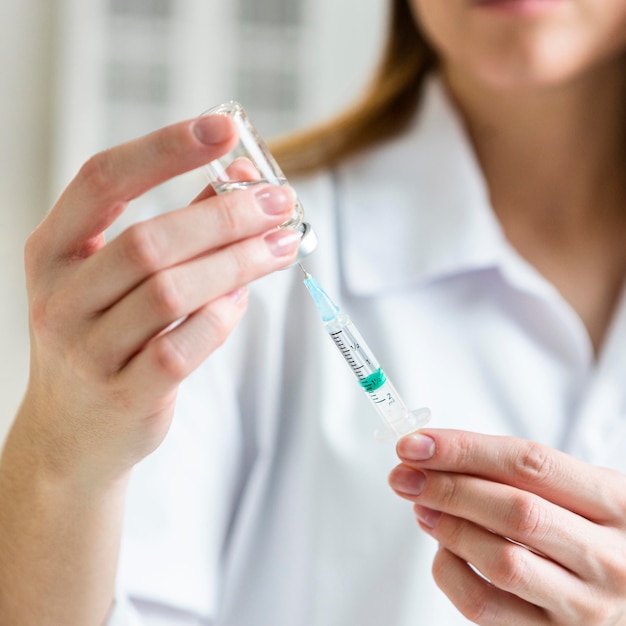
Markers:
(129, 66)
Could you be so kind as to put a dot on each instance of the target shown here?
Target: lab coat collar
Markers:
(418, 207)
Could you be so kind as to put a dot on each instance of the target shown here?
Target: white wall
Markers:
(332, 49)
(25, 101)
(52, 112)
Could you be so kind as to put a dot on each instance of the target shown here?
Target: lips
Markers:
(513, 1)
(517, 6)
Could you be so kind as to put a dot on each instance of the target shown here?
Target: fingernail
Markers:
(416, 447)
(238, 295)
(426, 516)
(407, 480)
(283, 241)
(211, 129)
(274, 200)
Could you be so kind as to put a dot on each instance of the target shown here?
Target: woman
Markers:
(473, 225)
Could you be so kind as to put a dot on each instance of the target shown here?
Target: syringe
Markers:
(397, 418)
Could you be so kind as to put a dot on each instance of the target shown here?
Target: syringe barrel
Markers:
(382, 394)
(354, 350)
(379, 389)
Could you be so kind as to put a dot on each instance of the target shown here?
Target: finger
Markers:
(596, 493)
(173, 238)
(115, 176)
(478, 600)
(180, 290)
(171, 357)
(207, 192)
(240, 169)
(508, 511)
(507, 565)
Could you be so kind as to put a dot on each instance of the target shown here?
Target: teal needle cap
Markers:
(327, 308)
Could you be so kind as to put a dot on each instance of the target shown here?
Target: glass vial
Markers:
(250, 163)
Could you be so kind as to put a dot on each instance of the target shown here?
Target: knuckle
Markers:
(602, 614)
(474, 606)
(169, 359)
(241, 262)
(611, 492)
(611, 565)
(600, 617)
(40, 314)
(463, 451)
(219, 325)
(109, 355)
(510, 570)
(448, 491)
(166, 144)
(140, 247)
(591, 609)
(455, 530)
(165, 296)
(47, 313)
(97, 173)
(226, 214)
(527, 517)
(533, 463)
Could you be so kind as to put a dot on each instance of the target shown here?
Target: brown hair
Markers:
(383, 110)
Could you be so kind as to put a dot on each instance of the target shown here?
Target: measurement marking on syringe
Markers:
(355, 351)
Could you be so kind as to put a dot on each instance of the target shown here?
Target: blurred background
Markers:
(77, 76)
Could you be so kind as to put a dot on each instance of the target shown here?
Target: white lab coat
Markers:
(268, 502)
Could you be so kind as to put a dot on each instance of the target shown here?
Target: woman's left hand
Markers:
(547, 530)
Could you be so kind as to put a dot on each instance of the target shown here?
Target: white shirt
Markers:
(268, 502)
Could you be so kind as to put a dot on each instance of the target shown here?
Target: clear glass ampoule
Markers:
(249, 163)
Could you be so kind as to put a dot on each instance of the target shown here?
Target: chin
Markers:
(525, 78)
(553, 66)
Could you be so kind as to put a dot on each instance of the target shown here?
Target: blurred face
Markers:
(523, 43)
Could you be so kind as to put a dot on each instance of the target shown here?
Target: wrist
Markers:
(49, 519)
(31, 455)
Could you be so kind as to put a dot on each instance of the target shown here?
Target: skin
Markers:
(532, 519)
(105, 366)
(561, 76)
(569, 517)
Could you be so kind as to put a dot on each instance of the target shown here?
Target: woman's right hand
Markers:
(105, 366)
